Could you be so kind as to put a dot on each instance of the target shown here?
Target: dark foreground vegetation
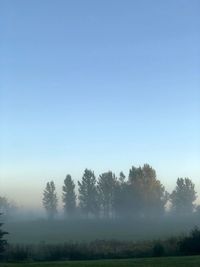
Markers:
(105, 249)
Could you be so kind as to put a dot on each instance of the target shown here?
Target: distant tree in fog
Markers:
(148, 194)
(6, 207)
(155, 194)
(123, 201)
(197, 210)
(88, 197)
(69, 196)
(50, 201)
(136, 194)
(183, 197)
(122, 178)
(106, 186)
(3, 242)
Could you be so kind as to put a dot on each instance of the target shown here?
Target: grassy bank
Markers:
(150, 262)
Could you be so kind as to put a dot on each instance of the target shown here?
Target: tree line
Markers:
(140, 195)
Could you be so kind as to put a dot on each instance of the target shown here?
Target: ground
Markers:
(148, 262)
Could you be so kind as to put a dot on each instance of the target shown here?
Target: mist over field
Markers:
(107, 207)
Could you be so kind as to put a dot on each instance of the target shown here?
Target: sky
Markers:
(102, 85)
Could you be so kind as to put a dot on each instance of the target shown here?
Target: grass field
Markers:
(150, 262)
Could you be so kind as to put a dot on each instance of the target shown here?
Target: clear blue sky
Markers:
(97, 84)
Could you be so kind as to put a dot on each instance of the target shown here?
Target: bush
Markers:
(18, 253)
(191, 245)
(158, 250)
(105, 249)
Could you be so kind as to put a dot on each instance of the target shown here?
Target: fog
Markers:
(29, 227)
(130, 207)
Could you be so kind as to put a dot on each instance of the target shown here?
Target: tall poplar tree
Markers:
(183, 197)
(88, 197)
(148, 194)
(106, 187)
(69, 196)
(50, 200)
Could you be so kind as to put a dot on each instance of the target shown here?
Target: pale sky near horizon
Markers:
(97, 84)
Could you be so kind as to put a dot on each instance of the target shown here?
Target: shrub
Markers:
(158, 250)
(191, 245)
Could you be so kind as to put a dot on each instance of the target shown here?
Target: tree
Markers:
(3, 242)
(155, 196)
(197, 210)
(135, 192)
(6, 208)
(50, 201)
(189, 245)
(149, 195)
(106, 189)
(69, 196)
(88, 197)
(122, 178)
(123, 198)
(183, 197)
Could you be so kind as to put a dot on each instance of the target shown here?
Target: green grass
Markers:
(148, 262)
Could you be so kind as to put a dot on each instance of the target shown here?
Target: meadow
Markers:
(193, 261)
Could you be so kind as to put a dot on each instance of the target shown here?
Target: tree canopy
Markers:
(183, 197)
(50, 201)
(106, 188)
(141, 195)
(88, 196)
(69, 196)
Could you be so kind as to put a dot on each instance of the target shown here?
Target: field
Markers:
(150, 262)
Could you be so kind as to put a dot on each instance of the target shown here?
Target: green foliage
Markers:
(148, 194)
(88, 196)
(69, 197)
(50, 201)
(141, 196)
(98, 249)
(183, 197)
(190, 245)
(124, 198)
(158, 250)
(106, 190)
